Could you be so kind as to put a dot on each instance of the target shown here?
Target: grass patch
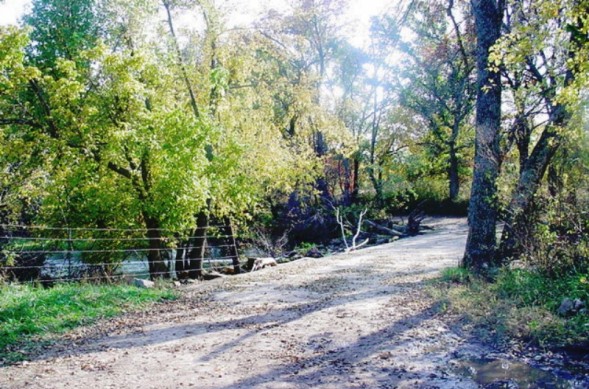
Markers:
(32, 314)
(520, 304)
(458, 275)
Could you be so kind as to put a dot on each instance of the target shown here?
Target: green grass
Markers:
(457, 275)
(519, 304)
(31, 315)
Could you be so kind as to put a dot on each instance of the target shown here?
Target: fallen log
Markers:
(385, 230)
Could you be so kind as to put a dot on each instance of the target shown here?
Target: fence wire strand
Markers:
(91, 239)
(77, 270)
(49, 228)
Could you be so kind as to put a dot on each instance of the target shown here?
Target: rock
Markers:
(578, 305)
(567, 307)
(570, 307)
(146, 284)
(177, 284)
(261, 263)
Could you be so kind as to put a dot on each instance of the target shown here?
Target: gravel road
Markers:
(358, 320)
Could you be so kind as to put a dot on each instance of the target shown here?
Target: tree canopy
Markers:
(120, 114)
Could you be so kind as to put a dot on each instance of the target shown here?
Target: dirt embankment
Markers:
(360, 320)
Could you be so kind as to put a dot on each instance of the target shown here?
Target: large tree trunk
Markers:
(516, 230)
(180, 260)
(158, 268)
(198, 246)
(233, 253)
(482, 215)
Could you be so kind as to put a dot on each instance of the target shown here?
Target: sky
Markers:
(11, 10)
(359, 12)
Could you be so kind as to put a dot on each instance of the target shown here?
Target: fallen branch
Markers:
(385, 230)
(355, 247)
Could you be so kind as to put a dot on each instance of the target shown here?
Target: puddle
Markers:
(498, 373)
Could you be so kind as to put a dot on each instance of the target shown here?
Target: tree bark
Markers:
(453, 176)
(198, 246)
(180, 261)
(320, 148)
(356, 180)
(233, 253)
(516, 231)
(158, 268)
(482, 215)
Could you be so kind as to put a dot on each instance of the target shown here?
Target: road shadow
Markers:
(284, 313)
(352, 361)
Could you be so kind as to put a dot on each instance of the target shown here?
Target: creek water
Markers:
(500, 373)
(135, 265)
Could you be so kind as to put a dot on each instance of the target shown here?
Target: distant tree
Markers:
(62, 29)
(437, 82)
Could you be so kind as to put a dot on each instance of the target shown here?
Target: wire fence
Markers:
(33, 253)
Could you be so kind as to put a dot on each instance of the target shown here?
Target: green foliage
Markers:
(62, 29)
(529, 288)
(116, 143)
(31, 314)
(303, 247)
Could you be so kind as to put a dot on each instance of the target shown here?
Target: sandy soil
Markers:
(360, 320)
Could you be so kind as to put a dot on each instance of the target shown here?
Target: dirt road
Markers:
(359, 320)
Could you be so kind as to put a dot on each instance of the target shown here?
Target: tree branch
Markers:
(193, 103)
(20, 122)
(458, 35)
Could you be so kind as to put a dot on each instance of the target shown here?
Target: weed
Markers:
(520, 304)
